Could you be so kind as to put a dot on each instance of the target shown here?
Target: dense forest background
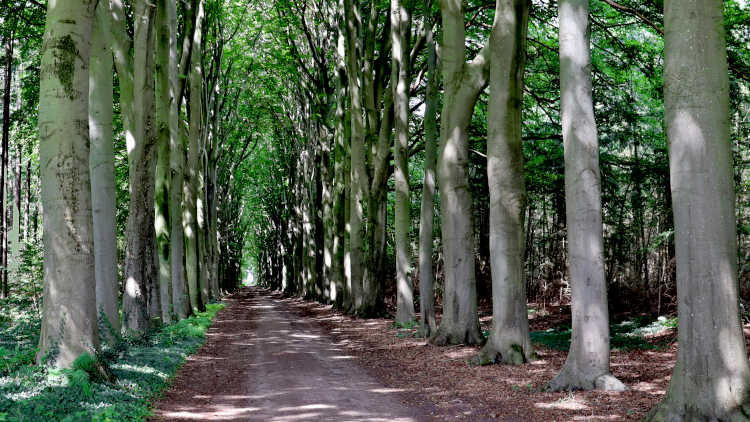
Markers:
(627, 63)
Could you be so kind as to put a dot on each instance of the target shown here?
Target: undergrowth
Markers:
(624, 336)
(117, 385)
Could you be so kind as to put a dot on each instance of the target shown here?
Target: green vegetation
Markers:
(117, 385)
(624, 336)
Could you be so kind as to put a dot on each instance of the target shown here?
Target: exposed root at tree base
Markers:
(445, 337)
(669, 411)
(491, 354)
(568, 381)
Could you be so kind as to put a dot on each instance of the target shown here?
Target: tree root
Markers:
(566, 381)
(491, 354)
(671, 411)
(445, 337)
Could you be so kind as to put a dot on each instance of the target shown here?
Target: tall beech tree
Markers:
(463, 82)
(141, 297)
(69, 322)
(400, 35)
(192, 167)
(164, 98)
(102, 166)
(428, 323)
(711, 380)
(587, 364)
(509, 340)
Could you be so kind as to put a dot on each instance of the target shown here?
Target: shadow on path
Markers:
(263, 362)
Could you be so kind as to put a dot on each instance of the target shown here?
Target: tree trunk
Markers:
(69, 326)
(200, 205)
(509, 340)
(426, 214)
(711, 380)
(340, 168)
(164, 97)
(358, 179)
(373, 280)
(587, 365)
(400, 27)
(27, 204)
(180, 299)
(102, 167)
(463, 83)
(190, 215)
(4, 164)
(141, 297)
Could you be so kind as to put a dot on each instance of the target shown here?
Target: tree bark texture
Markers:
(587, 364)
(180, 298)
(509, 340)
(711, 380)
(427, 210)
(358, 179)
(69, 325)
(141, 296)
(164, 97)
(463, 83)
(400, 27)
(190, 206)
(102, 167)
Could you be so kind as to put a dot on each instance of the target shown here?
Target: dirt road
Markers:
(262, 361)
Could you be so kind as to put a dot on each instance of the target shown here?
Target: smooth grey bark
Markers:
(463, 82)
(587, 364)
(180, 298)
(141, 297)
(102, 168)
(190, 206)
(400, 27)
(164, 97)
(373, 280)
(428, 323)
(358, 178)
(200, 206)
(509, 340)
(69, 324)
(711, 379)
(338, 276)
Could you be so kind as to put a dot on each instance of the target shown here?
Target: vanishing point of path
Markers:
(262, 361)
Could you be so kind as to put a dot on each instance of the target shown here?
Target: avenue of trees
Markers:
(425, 157)
(498, 152)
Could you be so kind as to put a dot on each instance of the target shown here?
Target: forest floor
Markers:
(643, 357)
(272, 358)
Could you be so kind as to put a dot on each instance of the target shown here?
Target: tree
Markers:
(400, 29)
(711, 380)
(141, 298)
(463, 82)
(102, 167)
(357, 181)
(587, 364)
(180, 291)
(426, 214)
(509, 340)
(193, 164)
(165, 93)
(69, 323)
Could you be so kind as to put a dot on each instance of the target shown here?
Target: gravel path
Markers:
(262, 361)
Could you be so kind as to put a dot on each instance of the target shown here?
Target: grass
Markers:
(624, 336)
(137, 371)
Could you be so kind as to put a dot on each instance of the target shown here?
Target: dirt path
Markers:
(262, 361)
